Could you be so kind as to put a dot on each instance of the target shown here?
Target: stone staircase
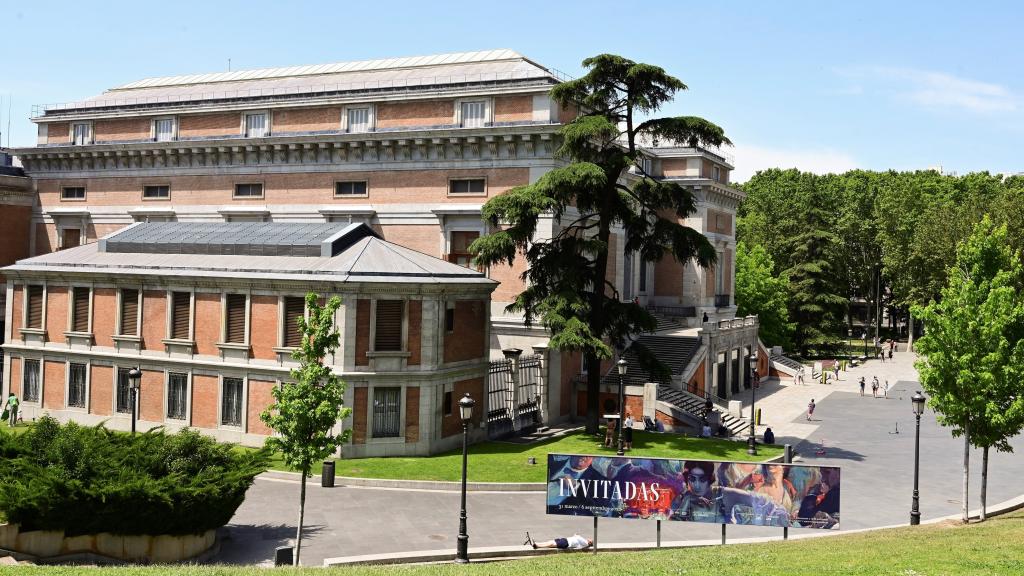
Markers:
(694, 405)
(784, 364)
(666, 322)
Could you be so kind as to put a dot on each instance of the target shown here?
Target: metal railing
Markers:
(299, 91)
(675, 311)
(723, 300)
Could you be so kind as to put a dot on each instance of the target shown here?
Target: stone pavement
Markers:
(853, 432)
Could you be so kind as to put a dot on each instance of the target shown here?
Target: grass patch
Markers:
(505, 462)
(994, 547)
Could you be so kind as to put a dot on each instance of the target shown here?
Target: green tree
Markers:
(972, 361)
(306, 411)
(760, 291)
(567, 287)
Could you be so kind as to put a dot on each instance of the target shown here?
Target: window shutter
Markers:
(35, 307)
(294, 308)
(182, 302)
(389, 326)
(80, 314)
(235, 331)
(130, 312)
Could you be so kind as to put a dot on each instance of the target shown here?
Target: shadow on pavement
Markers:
(809, 450)
(242, 544)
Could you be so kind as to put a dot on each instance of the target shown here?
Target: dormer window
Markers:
(165, 130)
(473, 113)
(358, 119)
(256, 125)
(81, 133)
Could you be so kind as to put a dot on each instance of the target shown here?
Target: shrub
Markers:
(86, 480)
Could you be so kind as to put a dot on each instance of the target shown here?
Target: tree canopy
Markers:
(760, 291)
(603, 186)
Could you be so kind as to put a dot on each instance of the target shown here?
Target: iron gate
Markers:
(513, 396)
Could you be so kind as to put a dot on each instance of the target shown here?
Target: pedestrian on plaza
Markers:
(874, 386)
(810, 409)
(890, 352)
(10, 412)
(862, 384)
(885, 391)
(627, 432)
(835, 370)
(769, 436)
(574, 542)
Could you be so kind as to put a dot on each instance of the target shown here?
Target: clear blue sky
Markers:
(817, 85)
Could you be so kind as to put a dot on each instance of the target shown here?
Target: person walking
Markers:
(835, 371)
(11, 409)
(627, 432)
(874, 386)
(862, 384)
(810, 409)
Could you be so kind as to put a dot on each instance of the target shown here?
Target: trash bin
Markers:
(327, 475)
(283, 556)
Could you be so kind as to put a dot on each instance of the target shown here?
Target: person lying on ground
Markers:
(574, 542)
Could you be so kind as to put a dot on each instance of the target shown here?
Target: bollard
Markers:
(327, 475)
(283, 556)
(757, 417)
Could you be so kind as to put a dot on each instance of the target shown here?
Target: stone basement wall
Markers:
(51, 545)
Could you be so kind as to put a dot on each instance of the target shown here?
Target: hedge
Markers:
(87, 480)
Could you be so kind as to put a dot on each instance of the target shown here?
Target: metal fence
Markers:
(514, 393)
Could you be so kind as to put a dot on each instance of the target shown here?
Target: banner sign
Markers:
(756, 494)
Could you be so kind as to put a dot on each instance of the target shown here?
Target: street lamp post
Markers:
(864, 337)
(465, 413)
(623, 366)
(915, 512)
(752, 441)
(134, 377)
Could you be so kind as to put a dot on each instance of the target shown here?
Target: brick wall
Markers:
(54, 382)
(412, 414)
(673, 167)
(467, 341)
(16, 364)
(46, 238)
(259, 399)
(362, 332)
(101, 395)
(121, 129)
(56, 313)
(425, 239)
(104, 315)
(58, 133)
(18, 308)
(359, 415)
(190, 126)
(415, 331)
(517, 108)
(151, 396)
(452, 424)
(570, 368)
(204, 401)
(206, 323)
(154, 319)
(419, 113)
(698, 379)
(16, 224)
(668, 277)
(307, 119)
(264, 328)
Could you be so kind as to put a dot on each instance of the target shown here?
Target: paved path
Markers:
(857, 434)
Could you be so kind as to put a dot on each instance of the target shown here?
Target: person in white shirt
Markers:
(574, 542)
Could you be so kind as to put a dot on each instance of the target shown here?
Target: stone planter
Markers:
(53, 545)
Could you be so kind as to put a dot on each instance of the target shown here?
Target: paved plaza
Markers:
(853, 432)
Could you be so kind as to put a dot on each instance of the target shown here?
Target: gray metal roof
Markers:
(363, 257)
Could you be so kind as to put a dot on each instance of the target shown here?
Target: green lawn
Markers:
(505, 462)
(992, 548)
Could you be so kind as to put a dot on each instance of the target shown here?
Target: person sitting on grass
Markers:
(574, 542)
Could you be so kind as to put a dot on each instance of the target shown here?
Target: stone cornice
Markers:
(443, 145)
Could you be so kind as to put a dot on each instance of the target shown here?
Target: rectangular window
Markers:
(354, 188)
(70, 237)
(643, 277)
(80, 309)
(129, 312)
(716, 173)
(248, 190)
(389, 326)
(181, 308)
(156, 192)
(231, 402)
(474, 114)
(30, 381)
(458, 251)
(294, 308)
(81, 134)
(163, 129)
(448, 403)
(358, 120)
(177, 395)
(124, 391)
(387, 406)
(234, 330)
(35, 307)
(72, 193)
(256, 125)
(467, 186)
(76, 385)
(449, 320)
(720, 274)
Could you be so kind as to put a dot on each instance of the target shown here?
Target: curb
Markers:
(436, 485)
(512, 552)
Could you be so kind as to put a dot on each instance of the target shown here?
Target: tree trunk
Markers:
(984, 480)
(967, 475)
(593, 393)
(302, 512)
(910, 331)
